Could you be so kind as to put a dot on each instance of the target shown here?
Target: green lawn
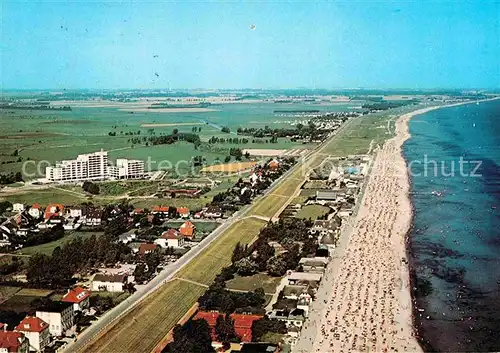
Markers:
(312, 212)
(249, 283)
(210, 262)
(47, 248)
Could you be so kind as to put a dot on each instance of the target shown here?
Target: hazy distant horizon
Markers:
(383, 44)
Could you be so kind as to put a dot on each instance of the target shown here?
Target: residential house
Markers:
(170, 238)
(79, 297)
(313, 264)
(52, 210)
(5, 234)
(213, 212)
(292, 318)
(92, 216)
(110, 283)
(242, 323)
(127, 237)
(326, 227)
(183, 212)
(36, 331)
(59, 315)
(187, 229)
(74, 212)
(273, 164)
(17, 207)
(161, 210)
(297, 277)
(15, 342)
(35, 211)
(146, 248)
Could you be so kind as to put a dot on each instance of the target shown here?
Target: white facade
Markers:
(37, 340)
(94, 166)
(35, 212)
(18, 207)
(59, 321)
(111, 283)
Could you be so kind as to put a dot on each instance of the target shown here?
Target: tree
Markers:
(140, 273)
(227, 159)
(265, 325)
(277, 266)
(225, 129)
(224, 329)
(90, 187)
(192, 337)
(246, 267)
(239, 252)
(175, 131)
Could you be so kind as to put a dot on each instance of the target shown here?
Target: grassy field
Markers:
(269, 205)
(208, 264)
(249, 283)
(56, 135)
(47, 248)
(312, 212)
(45, 197)
(229, 167)
(141, 329)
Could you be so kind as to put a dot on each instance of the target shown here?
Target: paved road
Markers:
(170, 271)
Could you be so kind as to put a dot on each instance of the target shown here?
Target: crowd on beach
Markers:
(369, 304)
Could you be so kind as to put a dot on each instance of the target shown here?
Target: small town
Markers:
(116, 250)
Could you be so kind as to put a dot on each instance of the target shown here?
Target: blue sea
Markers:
(454, 245)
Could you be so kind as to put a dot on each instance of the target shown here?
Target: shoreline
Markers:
(374, 272)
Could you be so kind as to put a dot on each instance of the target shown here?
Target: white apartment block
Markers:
(127, 169)
(94, 166)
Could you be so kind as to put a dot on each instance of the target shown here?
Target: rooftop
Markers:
(76, 295)
(54, 307)
(32, 324)
(102, 277)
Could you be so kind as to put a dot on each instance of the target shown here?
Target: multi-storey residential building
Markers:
(127, 169)
(94, 166)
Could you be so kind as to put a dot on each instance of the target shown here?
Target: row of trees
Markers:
(230, 140)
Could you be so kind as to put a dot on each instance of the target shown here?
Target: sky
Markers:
(346, 44)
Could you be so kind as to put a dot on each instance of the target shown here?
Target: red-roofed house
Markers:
(35, 211)
(36, 331)
(183, 212)
(54, 209)
(274, 164)
(79, 297)
(11, 341)
(187, 229)
(146, 248)
(242, 323)
(170, 238)
(160, 209)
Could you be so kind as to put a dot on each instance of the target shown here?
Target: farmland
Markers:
(56, 135)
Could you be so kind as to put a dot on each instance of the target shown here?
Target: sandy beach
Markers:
(368, 306)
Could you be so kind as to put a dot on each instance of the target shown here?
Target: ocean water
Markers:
(454, 245)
